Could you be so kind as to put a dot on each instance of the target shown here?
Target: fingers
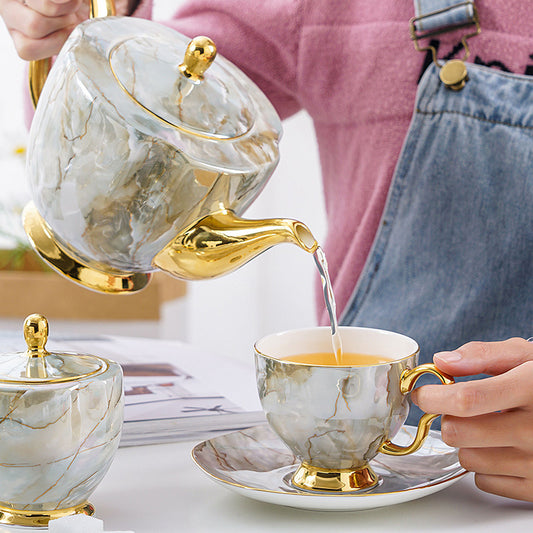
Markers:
(485, 357)
(34, 49)
(40, 27)
(473, 398)
(498, 448)
(53, 8)
(489, 420)
(496, 430)
(31, 23)
(508, 486)
(497, 462)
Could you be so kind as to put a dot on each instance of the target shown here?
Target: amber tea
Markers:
(330, 359)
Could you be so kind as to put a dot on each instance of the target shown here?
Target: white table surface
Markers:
(159, 489)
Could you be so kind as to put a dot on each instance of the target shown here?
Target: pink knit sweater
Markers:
(352, 66)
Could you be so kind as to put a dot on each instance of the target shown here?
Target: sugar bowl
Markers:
(60, 422)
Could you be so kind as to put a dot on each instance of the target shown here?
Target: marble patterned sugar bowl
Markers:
(60, 422)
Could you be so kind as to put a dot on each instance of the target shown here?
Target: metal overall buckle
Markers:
(453, 73)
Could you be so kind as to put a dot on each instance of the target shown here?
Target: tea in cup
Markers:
(336, 416)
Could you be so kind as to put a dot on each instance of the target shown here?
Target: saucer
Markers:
(255, 463)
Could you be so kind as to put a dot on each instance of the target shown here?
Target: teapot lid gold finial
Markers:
(36, 334)
(199, 55)
(184, 87)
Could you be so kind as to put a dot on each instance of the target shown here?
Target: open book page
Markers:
(173, 391)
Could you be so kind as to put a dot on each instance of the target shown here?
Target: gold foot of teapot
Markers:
(109, 281)
(215, 245)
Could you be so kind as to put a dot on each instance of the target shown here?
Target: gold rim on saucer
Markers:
(256, 464)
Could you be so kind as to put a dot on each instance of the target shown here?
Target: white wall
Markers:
(272, 293)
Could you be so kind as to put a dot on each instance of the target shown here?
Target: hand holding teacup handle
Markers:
(408, 379)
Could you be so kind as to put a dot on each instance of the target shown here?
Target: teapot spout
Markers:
(222, 242)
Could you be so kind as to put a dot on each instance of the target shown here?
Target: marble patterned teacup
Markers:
(336, 419)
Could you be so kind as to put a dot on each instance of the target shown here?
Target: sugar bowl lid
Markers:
(39, 366)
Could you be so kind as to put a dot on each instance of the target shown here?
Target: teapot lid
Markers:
(37, 365)
(177, 87)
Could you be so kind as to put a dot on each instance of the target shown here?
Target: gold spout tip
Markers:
(223, 241)
(305, 238)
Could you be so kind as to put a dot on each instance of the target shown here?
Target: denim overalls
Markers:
(453, 258)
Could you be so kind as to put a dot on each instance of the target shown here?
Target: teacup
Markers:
(336, 419)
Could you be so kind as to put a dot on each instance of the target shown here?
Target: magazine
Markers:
(173, 391)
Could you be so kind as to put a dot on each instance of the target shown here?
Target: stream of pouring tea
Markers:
(329, 298)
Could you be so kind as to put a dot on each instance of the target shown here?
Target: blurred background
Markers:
(272, 293)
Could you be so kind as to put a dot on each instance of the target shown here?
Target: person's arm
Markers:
(489, 420)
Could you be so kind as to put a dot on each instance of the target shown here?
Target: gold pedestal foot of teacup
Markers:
(109, 281)
(16, 517)
(348, 480)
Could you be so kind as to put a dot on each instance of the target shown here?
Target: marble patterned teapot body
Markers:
(143, 158)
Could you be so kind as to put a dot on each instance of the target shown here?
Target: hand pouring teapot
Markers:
(143, 153)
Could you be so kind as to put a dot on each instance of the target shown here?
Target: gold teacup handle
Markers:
(407, 382)
(39, 69)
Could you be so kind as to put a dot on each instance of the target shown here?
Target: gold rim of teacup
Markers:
(301, 363)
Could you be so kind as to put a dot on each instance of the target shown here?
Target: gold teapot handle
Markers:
(407, 382)
(39, 69)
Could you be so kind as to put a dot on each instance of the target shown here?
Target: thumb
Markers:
(485, 357)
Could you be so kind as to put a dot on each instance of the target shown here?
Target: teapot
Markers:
(62, 416)
(144, 151)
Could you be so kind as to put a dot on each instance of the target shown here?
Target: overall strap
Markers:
(433, 17)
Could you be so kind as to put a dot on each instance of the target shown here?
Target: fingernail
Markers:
(448, 357)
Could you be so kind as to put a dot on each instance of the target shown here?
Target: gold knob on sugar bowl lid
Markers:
(36, 334)
(38, 366)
